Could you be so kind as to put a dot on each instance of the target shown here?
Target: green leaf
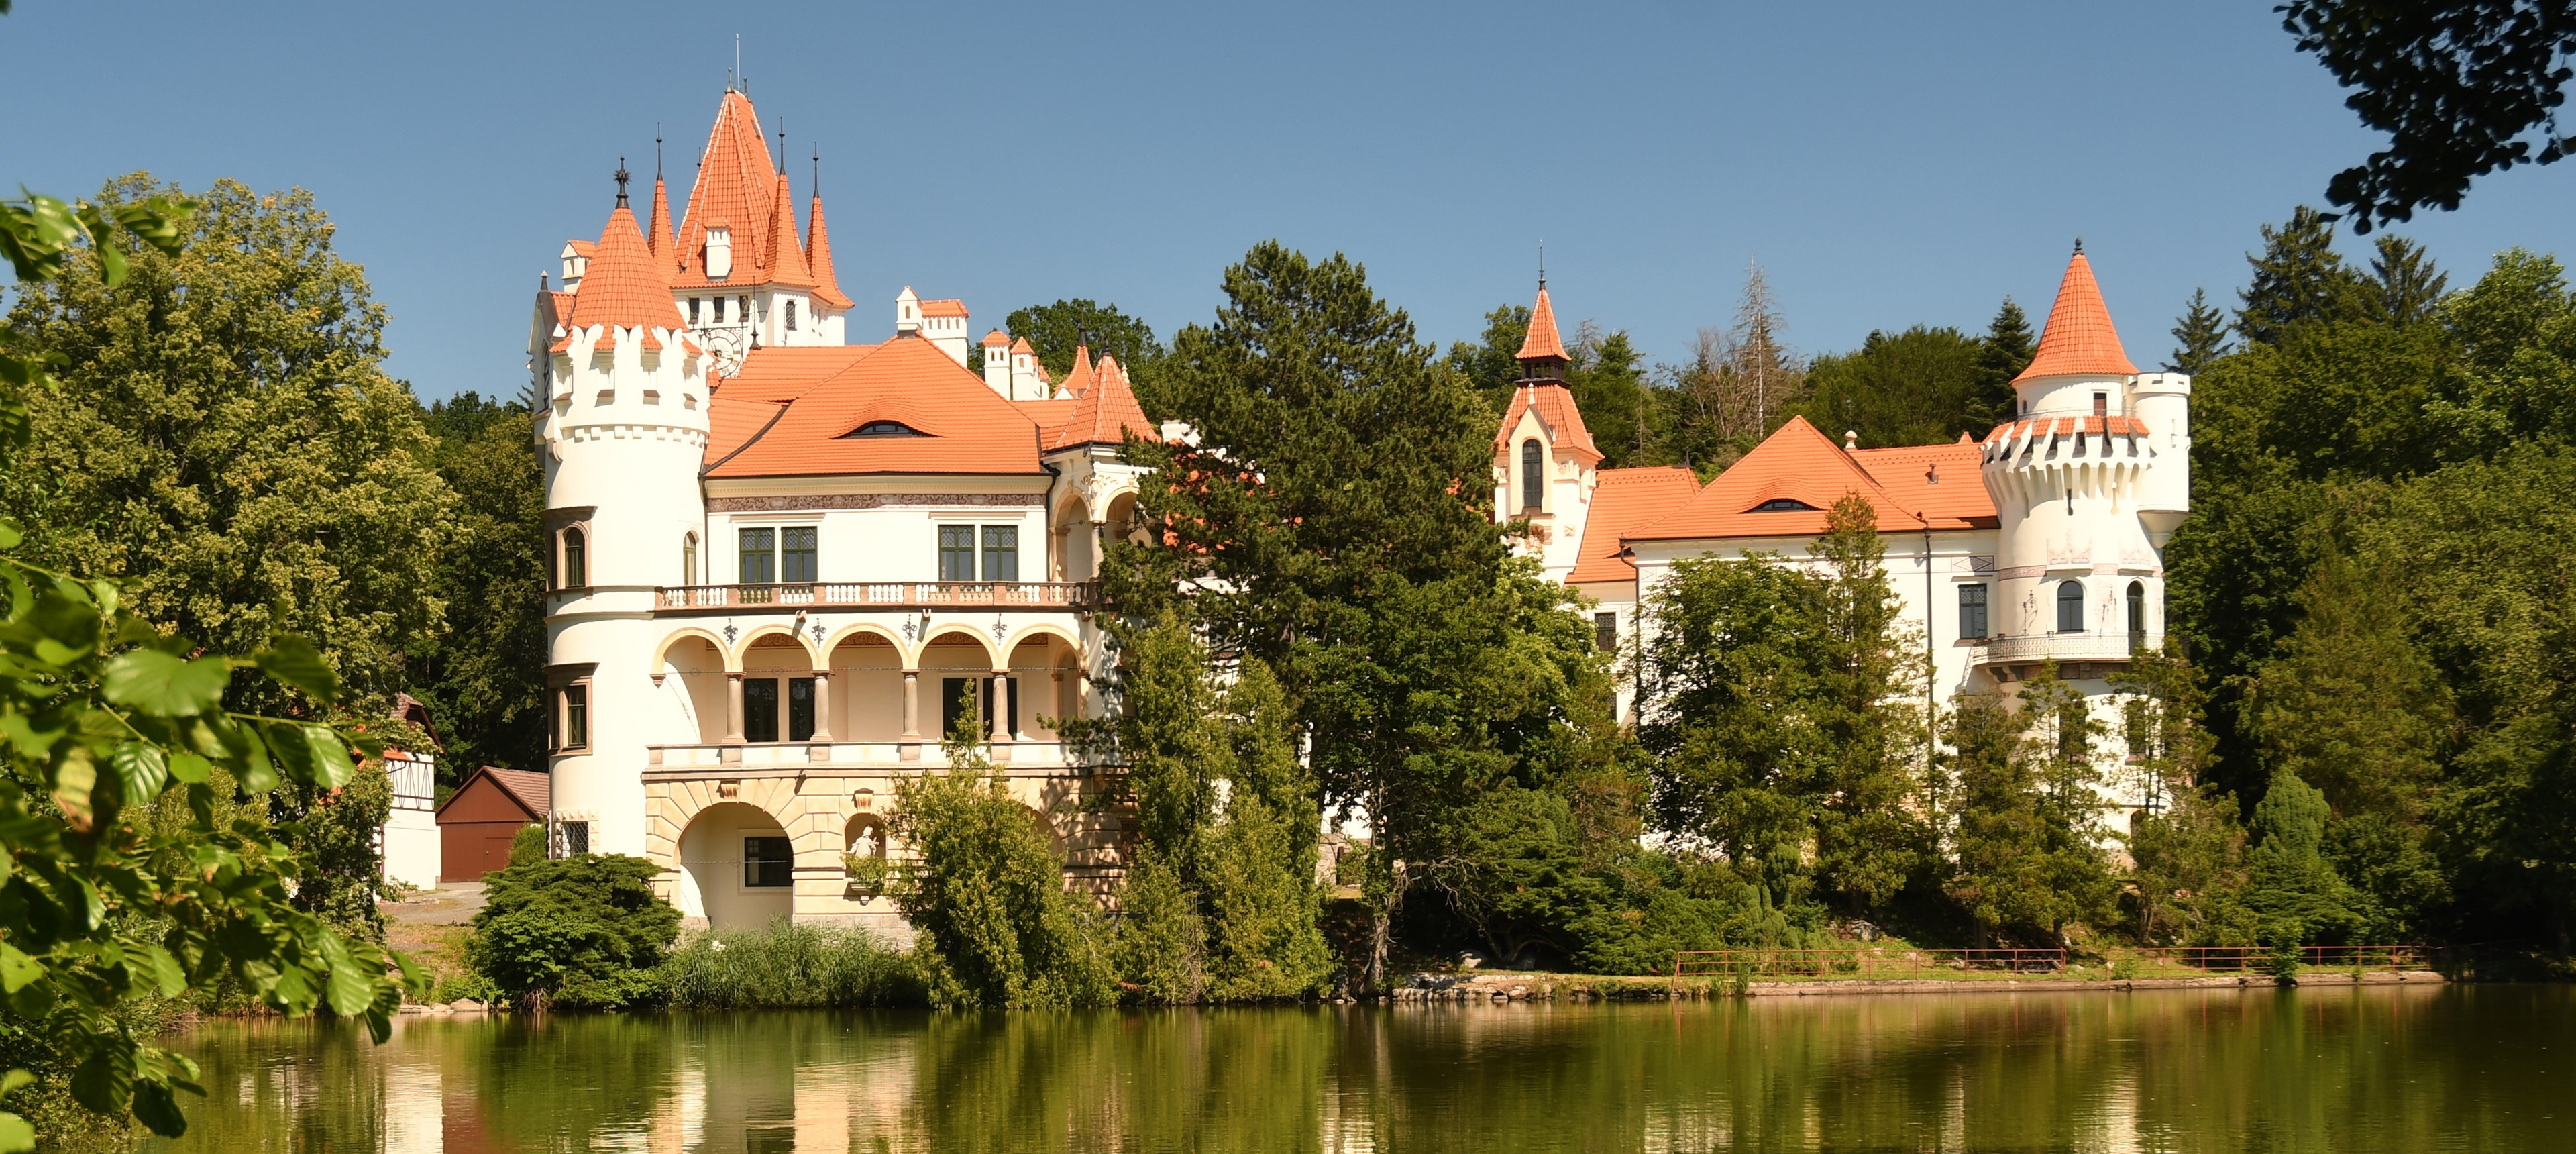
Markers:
(16, 970)
(331, 763)
(11, 533)
(155, 1107)
(14, 1081)
(157, 683)
(258, 771)
(102, 240)
(351, 988)
(166, 971)
(15, 1134)
(293, 660)
(190, 768)
(140, 771)
(104, 1081)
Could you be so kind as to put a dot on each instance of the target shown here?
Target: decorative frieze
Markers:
(812, 501)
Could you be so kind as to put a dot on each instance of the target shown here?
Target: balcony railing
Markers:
(884, 595)
(2109, 645)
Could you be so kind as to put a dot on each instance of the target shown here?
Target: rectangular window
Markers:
(1972, 612)
(791, 316)
(719, 310)
(1605, 631)
(1001, 552)
(954, 694)
(746, 308)
(693, 310)
(576, 838)
(768, 862)
(576, 718)
(796, 556)
(760, 709)
(800, 708)
(957, 552)
(758, 555)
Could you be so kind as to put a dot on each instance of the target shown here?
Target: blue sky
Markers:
(1888, 164)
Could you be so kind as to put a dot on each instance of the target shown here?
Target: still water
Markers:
(2353, 1071)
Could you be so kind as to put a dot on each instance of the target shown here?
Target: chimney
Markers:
(997, 362)
(719, 251)
(907, 313)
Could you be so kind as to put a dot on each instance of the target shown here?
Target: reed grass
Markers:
(788, 965)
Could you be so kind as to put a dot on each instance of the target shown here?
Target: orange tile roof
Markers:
(625, 286)
(1079, 377)
(1051, 415)
(581, 248)
(818, 256)
(1021, 345)
(944, 307)
(786, 258)
(969, 429)
(1542, 342)
(1556, 409)
(1104, 413)
(1625, 499)
(657, 231)
(734, 188)
(784, 372)
(2079, 338)
(1799, 463)
(732, 423)
(995, 339)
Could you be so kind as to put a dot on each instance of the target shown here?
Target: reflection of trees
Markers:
(2312, 1071)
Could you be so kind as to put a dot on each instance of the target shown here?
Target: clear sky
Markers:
(1887, 164)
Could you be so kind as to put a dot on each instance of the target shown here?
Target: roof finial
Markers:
(621, 182)
(782, 144)
(2079, 246)
(818, 169)
(1542, 263)
(657, 152)
(734, 75)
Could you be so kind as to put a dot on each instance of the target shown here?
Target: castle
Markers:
(783, 563)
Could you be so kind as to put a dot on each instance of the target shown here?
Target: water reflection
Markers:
(2395, 1069)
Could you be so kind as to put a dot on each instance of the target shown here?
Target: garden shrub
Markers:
(574, 933)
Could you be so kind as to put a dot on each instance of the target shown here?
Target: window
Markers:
(1782, 505)
(956, 695)
(758, 556)
(2070, 607)
(768, 862)
(1001, 552)
(791, 316)
(957, 552)
(689, 559)
(2101, 404)
(1533, 482)
(576, 560)
(694, 302)
(1605, 631)
(745, 302)
(885, 429)
(719, 309)
(2137, 615)
(800, 708)
(760, 709)
(576, 717)
(1972, 613)
(576, 838)
(796, 554)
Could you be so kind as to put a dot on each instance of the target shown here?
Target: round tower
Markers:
(2089, 479)
(621, 432)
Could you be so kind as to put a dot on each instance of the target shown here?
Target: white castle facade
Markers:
(782, 562)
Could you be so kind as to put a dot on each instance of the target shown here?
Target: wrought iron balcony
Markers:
(880, 595)
(2031, 649)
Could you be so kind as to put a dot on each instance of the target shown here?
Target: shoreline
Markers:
(1464, 989)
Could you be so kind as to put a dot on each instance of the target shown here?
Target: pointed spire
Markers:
(1078, 379)
(624, 287)
(818, 254)
(1104, 413)
(1542, 352)
(787, 261)
(2079, 339)
(734, 185)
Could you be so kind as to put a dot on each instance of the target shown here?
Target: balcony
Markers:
(881, 595)
(849, 757)
(2031, 649)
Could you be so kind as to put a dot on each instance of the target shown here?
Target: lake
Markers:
(2352, 1071)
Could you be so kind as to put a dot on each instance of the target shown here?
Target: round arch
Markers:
(662, 651)
(1021, 634)
(734, 660)
(732, 872)
(931, 640)
(869, 629)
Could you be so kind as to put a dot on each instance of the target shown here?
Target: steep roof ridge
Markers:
(1078, 379)
(787, 263)
(732, 187)
(1543, 342)
(625, 286)
(1556, 409)
(657, 234)
(2079, 339)
(818, 254)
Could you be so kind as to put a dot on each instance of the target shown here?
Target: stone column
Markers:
(733, 708)
(997, 711)
(823, 706)
(912, 705)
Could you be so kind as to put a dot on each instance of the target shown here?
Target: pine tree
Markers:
(1766, 372)
(2404, 286)
(2296, 892)
(2004, 352)
(2027, 811)
(2200, 336)
(1609, 387)
(2298, 279)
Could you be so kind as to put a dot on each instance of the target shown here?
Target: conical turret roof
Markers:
(735, 188)
(657, 234)
(2079, 339)
(818, 253)
(1542, 343)
(787, 257)
(625, 287)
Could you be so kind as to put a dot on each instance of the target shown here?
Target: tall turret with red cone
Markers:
(621, 429)
(1545, 464)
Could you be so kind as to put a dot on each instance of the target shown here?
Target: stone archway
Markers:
(737, 868)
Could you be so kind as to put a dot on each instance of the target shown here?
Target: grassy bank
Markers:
(787, 965)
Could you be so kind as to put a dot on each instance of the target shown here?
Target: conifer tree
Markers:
(1491, 363)
(2005, 351)
(2296, 891)
(2404, 285)
(2028, 813)
(1609, 386)
(2299, 278)
(2200, 336)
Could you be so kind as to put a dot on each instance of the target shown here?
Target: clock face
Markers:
(728, 344)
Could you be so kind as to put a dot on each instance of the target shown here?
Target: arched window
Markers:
(576, 560)
(1533, 482)
(2137, 615)
(2070, 607)
(689, 559)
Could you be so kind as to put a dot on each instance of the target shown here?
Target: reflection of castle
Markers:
(2044, 541)
(782, 562)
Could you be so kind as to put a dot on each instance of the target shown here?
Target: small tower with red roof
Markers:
(1545, 464)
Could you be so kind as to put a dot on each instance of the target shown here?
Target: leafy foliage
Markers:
(2027, 812)
(1055, 330)
(484, 679)
(581, 933)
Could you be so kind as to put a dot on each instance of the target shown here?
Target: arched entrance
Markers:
(737, 867)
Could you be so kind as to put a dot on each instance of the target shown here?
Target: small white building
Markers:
(407, 844)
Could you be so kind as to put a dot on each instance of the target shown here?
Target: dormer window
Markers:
(885, 429)
(1782, 505)
(719, 252)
